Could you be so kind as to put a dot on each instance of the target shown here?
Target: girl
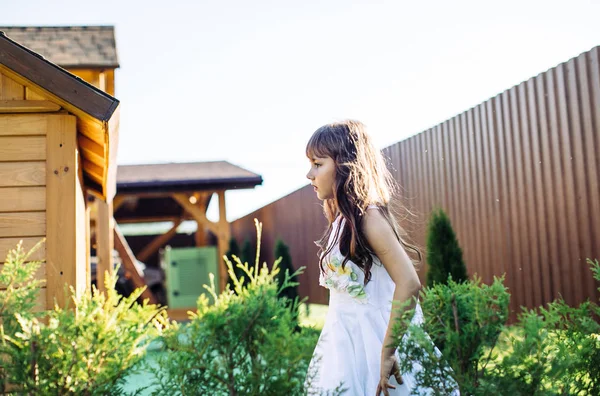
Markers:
(363, 263)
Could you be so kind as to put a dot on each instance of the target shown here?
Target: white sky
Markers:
(249, 81)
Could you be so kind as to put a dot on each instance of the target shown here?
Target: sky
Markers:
(249, 81)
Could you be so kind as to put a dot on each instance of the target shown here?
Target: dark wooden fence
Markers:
(518, 176)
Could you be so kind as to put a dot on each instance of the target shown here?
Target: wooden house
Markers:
(58, 142)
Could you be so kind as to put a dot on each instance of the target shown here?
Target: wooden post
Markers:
(88, 244)
(200, 236)
(105, 244)
(223, 239)
(65, 212)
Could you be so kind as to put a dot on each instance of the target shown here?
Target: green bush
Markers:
(552, 350)
(444, 255)
(282, 253)
(234, 251)
(244, 343)
(464, 320)
(88, 349)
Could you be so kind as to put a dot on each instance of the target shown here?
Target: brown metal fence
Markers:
(518, 175)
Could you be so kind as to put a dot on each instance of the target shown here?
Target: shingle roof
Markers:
(69, 46)
(194, 176)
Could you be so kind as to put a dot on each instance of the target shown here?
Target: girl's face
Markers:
(322, 176)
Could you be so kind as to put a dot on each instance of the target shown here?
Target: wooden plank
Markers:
(128, 259)
(22, 224)
(10, 89)
(92, 170)
(32, 94)
(20, 148)
(91, 150)
(22, 199)
(104, 242)
(28, 106)
(61, 201)
(158, 242)
(22, 124)
(7, 244)
(22, 174)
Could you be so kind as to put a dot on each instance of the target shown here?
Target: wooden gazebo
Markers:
(177, 192)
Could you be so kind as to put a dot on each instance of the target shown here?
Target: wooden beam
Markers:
(117, 202)
(196, 212)
(158, 242)
(104, 242)
(201, 202)
(128, 259)
(63, 240)
(154, 219)
(28, 106)
(223, 236)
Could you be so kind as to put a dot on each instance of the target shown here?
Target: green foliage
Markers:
(552, 350)
(234, 251)
(444, 255)
(244, 343)
(282, 253)
(464, 321)
(87, 349)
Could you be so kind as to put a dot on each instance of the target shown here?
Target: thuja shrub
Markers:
(86, 349)
(444, 255)
(462, 324)
(550, 350)
(243, 341)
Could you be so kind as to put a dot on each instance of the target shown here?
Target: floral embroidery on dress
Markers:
(343, 279)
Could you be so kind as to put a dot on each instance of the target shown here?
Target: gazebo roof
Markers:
(146, 191)
(70, 47)
(176, 177)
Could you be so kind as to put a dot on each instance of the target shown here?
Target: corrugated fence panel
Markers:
(518, 176)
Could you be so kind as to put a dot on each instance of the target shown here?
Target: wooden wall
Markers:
(41, 192)
(519, 176)
(22, 178)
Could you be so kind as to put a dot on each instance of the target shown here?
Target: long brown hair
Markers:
(361, 179)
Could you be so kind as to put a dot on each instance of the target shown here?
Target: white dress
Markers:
(349, 348)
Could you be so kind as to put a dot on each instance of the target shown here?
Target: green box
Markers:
(186, 271)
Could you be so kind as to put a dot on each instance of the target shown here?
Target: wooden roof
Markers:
(69, 46)
(96, 111)
(174, 177)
